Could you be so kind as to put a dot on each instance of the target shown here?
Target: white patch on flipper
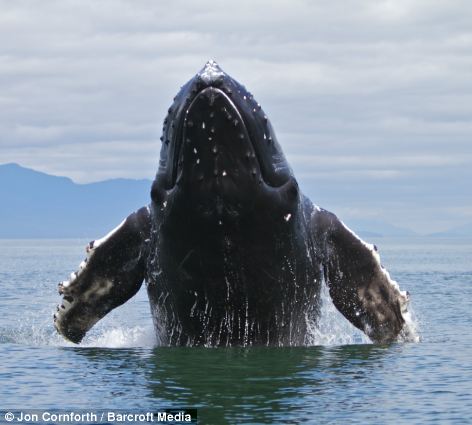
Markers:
(66, 304)
(99, 288)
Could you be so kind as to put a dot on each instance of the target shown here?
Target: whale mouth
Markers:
(215, 144)
(214, 102)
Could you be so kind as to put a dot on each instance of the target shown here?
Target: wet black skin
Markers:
(227, 268)
(231, 251)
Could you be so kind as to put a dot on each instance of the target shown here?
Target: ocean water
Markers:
(341, 379)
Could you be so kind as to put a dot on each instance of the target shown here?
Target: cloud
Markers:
(371, 91)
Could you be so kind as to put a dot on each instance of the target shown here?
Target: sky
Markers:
(370, 100)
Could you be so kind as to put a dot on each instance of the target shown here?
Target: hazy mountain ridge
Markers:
(39, 205)
(377, 228)
(456, 232)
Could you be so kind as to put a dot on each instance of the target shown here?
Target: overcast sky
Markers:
(371, 100)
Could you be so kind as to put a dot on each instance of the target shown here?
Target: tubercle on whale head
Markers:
(217, 141)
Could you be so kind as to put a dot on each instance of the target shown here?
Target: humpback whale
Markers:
(232, 253)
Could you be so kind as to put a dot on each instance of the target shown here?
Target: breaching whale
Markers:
(232, 253)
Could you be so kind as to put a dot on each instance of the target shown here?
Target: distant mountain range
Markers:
(38, 205)
(368, 228)
(456, 232)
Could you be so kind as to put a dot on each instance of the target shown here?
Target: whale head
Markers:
(219, 150)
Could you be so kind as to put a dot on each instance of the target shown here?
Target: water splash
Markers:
(411, 330)
(119, 337)
(122, 337)
(36, 330)
(331, 328)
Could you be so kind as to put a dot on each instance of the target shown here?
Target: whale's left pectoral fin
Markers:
(361, 289)
(110, 275)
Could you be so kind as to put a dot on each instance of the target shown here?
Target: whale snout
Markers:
(211, 74)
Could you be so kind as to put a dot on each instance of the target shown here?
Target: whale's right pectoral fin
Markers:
(361, 289)
(110, 275)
